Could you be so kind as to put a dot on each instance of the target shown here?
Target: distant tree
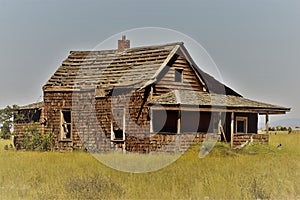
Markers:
(6, 121)
(290, 130)
(5, 131)
(271, 129)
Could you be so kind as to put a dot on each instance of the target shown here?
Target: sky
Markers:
(255, 44)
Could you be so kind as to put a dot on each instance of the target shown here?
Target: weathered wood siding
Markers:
(163, 142)
(137, 122)
(54, 102)
(257, 138)
(167, 82)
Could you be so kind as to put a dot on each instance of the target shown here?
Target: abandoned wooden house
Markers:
(142, 99)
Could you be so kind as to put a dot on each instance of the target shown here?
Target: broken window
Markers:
(178, 75)
(65, 124)
(28, 115)
(241, 124)
(118, 124)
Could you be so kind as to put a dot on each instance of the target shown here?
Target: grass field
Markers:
(256, 172)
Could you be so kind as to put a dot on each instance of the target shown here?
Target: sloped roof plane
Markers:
(135, 67)
(204, 99)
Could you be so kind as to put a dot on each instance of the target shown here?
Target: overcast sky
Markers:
(255, 44)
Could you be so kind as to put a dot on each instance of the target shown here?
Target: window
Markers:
(28, 115)
(118, 124)
(241, 124)
(65, 122)
(178, 75)
(164, 121)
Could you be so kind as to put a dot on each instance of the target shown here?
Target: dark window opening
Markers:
(118, 134)
(190, 121)
(27, 116)
(165, 121)
(118, 124)
(240, 126)
(66, 124)
(178, 75)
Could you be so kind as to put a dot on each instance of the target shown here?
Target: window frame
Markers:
(178, 75)
(68, 124)
(112, 133)
(245, 120)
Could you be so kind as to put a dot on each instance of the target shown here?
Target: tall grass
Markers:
(256, 172)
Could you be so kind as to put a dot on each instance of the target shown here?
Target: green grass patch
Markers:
(255, 172)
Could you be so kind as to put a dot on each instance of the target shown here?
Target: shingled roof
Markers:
(135, 67)
(108, 68)
(204, 99)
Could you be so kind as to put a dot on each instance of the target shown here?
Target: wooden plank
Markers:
(172, 53)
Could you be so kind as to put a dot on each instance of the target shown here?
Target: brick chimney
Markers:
(123, 44)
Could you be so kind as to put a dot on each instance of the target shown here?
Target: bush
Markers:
(33, 140)
(93, 187)
(5, 131)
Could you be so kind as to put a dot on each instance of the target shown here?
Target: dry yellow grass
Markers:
(256, 172)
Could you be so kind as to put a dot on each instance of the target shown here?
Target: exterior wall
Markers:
(258, 138)
(137, 122)
(167, 82)
(85, 128)
(91, 120)
(91, 123)
(163, 142)
(53, 103)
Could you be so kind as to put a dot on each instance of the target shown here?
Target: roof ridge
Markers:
(156, 46)
(132, 48)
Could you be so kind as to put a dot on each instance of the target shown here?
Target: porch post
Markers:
(267, 123)
(231, 129)
(178, 122)
(151, 120)
(177, 137)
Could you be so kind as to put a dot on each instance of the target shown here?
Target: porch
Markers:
(232, 119)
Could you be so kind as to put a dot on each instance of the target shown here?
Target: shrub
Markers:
(93, 187)
(33, 139)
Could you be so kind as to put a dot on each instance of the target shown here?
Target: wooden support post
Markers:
(177, 139)
(267, 123)
(151, 120)
(151, 92)
(232, 129)
(220, 127)
(112, 134)
(124, 123)
(178, 122)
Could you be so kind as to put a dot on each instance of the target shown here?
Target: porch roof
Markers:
(190, 99)
(37, 105)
